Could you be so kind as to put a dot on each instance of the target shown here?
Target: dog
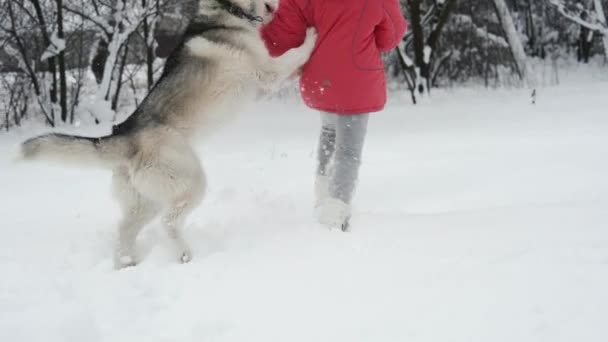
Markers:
(219, 61)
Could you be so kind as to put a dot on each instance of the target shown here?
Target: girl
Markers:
(344, 80)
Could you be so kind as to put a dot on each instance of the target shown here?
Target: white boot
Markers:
(321, 190)
(334, 214)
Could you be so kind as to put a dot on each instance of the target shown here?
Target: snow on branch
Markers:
(57, 46)
(91, 17)
(108, 18)
(592, 22)
(407, 61)
(122, 21)
(479, 31)
(426, 20)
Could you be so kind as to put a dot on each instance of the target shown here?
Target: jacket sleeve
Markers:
(287, 30)
(391, 29)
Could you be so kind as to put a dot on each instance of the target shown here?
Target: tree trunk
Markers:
(533, 41)
(601, 17)
(121, 71)
(526, 72)
(99, 59)
(405, 63)
(106, 80)
(22, 51)
(585, 43)
(63, 91)
(442, 16)
(149, 51)
(418, 33)
(27, 64)
(51, 63)
(80, 72)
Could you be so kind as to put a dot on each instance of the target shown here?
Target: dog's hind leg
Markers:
(188, 189)
(137, 212)
(174, 220)
(173, 176)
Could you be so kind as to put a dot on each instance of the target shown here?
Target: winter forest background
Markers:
(480, 211)
(71, 61)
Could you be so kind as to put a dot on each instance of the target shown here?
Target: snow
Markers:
(479, 217)
(99, 109)
(406, 59)
(464, 19)
(427, 54)
(55, 48)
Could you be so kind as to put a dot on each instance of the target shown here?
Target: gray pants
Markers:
(341, 144)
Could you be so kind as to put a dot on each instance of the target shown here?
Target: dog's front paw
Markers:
(298, 57)
(311, 40)
(124, 261)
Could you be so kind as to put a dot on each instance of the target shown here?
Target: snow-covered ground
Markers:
(479, 217)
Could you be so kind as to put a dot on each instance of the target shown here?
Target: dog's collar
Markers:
(237, 11)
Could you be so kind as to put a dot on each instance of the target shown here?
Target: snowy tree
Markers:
(427, 21)
(20, 19)
(590, 15)
(115, 21)
(48, 43)
(524, 67)
(59, 44)
(48, 48)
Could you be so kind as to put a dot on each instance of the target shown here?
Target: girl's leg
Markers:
(350, 137)
(325, 152)
(327, 143)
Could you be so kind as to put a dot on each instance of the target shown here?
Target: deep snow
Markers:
(479, 217)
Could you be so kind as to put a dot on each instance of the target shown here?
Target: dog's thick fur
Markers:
(219, 61)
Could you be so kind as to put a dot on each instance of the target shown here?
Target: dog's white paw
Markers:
(301, 55)
(311, 35)
(310, 40)
(186, 257)
(124, 261)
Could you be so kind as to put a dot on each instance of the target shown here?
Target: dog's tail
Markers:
(82, 151)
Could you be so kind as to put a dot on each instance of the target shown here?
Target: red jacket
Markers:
(345, 73)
